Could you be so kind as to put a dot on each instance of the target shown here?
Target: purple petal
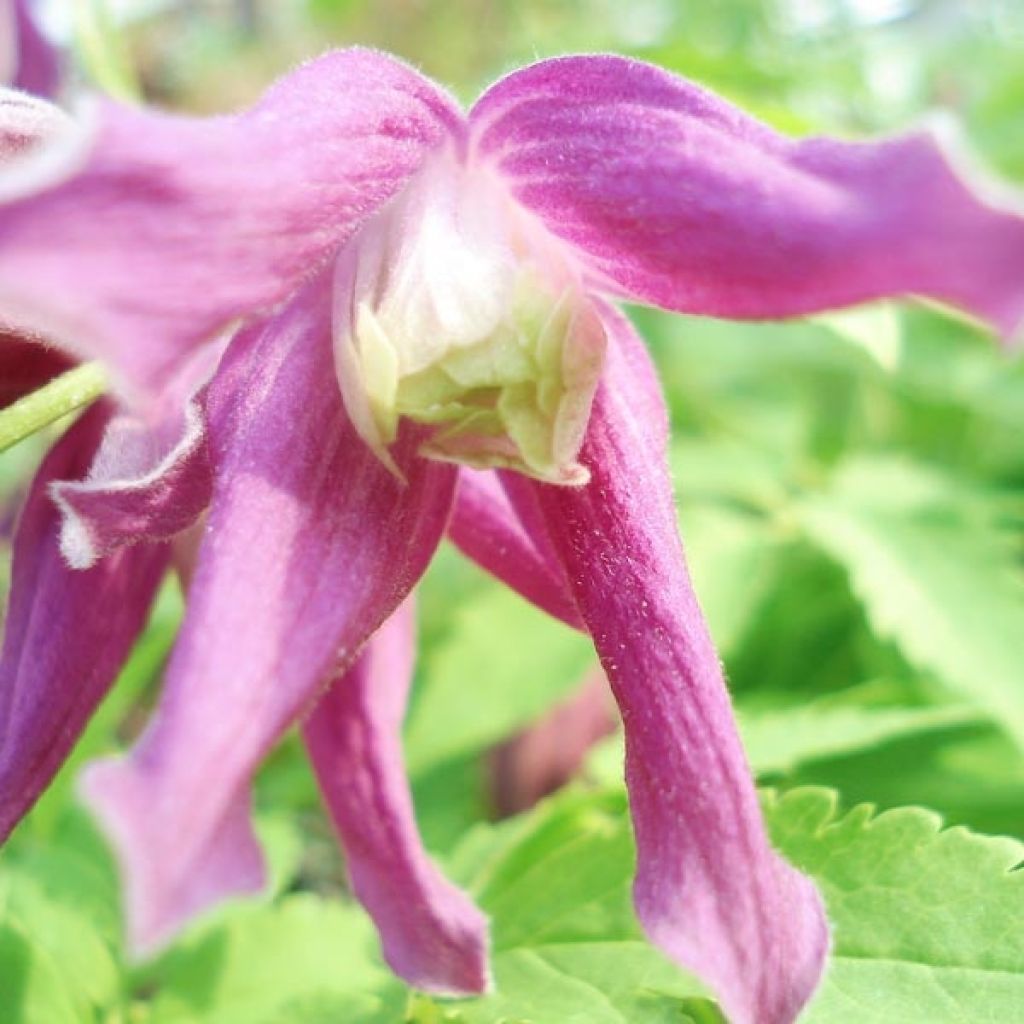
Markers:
(149, 481)
(709, 889)
(486, 529)
(310, 544)
(66, 633)
(676, 198)
(25, 366)
(432, 934)
(177, 226)
(37, 65)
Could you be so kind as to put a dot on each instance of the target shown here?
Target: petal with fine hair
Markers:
(486, 529)
(175, 227)
(676, 198)
(310, 544)
(66, 633)
(709, 889)
(431, 933)
(151, 478)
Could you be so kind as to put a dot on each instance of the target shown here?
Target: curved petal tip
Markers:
(166, 880)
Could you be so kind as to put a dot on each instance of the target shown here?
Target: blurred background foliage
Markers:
(851, 491)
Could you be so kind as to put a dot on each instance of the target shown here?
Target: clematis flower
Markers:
(414, 310)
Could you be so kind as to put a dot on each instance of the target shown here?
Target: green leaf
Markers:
(736, 561)
(31, 985)
(273, 964)
(926, 922)
(587, 983)
(564, 878)
(778, 740)
(567, 947)
(54, 963)
(502, 665)
(935, 575)
(972, 776)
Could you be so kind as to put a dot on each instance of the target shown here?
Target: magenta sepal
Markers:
(431, 933)
(66, 633)
(709, 889)
(676, 198)
(151, 477)
(310, 544)
(211, 220)
(486, 529)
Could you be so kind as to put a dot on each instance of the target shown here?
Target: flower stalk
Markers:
(70, 391)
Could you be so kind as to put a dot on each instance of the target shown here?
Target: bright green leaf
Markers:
(926, 922)
(263, 964)
(934, 577)
(501, 666)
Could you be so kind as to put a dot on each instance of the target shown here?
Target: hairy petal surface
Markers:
(175, 227)
(676, 198)
(432, 934)
(66, 633)
(709, 889)
(151, 477)
(486, 529)
(310, 544)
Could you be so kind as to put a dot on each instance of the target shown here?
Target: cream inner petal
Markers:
(455, 310)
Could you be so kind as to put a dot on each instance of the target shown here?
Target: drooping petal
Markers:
(176, 227)
(66, 633)
(431, 933)
(151, 478)
(709, 889)
(676, 198)
(310, 544)
(25, 366)
(36, 62)
(486, 529)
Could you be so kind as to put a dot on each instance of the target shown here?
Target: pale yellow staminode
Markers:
(457, 312)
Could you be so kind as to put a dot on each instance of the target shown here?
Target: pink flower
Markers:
(413, 308)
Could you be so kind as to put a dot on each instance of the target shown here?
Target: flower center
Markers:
(454, 310)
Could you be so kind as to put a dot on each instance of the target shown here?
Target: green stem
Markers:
(64, 394)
